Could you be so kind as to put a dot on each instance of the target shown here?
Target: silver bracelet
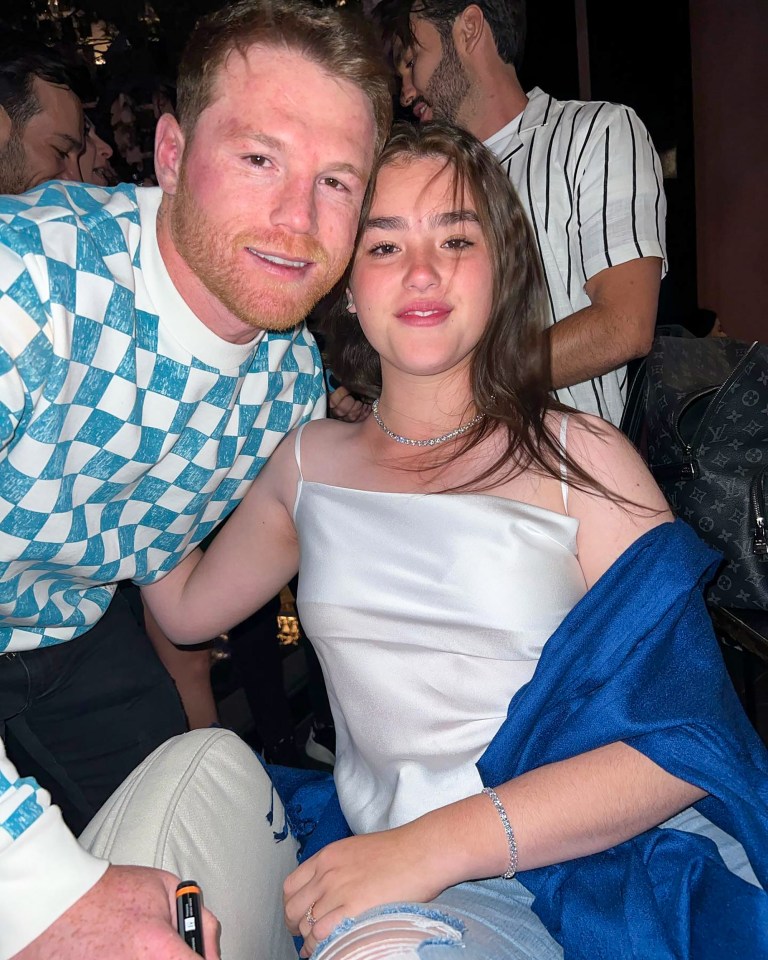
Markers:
(511, 842)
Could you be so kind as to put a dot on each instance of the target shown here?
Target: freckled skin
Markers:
(136, 910)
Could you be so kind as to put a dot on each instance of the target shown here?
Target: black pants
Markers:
(80, 716)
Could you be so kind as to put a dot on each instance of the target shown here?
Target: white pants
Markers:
(197, 807)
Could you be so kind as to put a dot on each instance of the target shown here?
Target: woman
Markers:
(442, 541)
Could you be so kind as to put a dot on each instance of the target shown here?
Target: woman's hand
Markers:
(353, 875)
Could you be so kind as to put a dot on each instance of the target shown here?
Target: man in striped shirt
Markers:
(587, 174)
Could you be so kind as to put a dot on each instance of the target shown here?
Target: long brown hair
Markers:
(510, 374)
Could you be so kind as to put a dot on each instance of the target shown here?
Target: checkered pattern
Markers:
(121, 448)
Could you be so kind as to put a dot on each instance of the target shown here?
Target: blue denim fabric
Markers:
(479, 920)
(482, 919)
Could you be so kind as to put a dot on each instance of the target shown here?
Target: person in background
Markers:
(587, 174)
(153, 354)
(41, 117)
(391, 19)
(93, 162)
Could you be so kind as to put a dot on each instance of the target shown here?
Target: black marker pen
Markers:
(189, 917)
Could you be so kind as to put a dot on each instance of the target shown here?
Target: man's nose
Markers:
(103, 149)
(408, 92)
(295, 208)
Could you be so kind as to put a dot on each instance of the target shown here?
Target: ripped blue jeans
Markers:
(481, 919)
(463, 922)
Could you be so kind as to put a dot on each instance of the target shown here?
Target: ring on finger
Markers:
(309, 916)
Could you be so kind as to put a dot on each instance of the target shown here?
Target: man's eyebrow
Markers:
(445, 219)
(274, 143)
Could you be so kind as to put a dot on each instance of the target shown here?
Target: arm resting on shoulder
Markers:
(617, 326)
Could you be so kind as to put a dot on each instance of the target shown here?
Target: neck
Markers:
(206, 307)
(422, 407)
(495, 99)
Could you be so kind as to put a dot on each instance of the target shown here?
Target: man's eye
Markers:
(335, 184)
(256, 160)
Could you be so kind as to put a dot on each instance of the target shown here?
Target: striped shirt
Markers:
(590, 179)
(128, 429)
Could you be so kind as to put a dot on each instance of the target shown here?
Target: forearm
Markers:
(616, 327)
(558, 812)
(593, 341)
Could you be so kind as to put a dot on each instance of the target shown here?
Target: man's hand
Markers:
(353, 875)
(129, 915)
(343, 406)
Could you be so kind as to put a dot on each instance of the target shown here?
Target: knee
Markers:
(216, 762)
(410, 930)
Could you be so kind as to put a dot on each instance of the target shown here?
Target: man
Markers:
(587, 174)
(153, 356)
(402, 58)
(41, 118)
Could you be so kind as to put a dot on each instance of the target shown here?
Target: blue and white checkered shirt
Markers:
(128, 430)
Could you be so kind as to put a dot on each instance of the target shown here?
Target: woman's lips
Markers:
(425, 314)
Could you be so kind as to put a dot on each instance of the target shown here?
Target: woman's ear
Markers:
(351, 308)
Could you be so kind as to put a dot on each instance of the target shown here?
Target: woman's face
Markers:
(403, 57)
(94, 160)
(422, 280)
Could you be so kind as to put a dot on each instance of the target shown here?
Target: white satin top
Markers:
(428, 612)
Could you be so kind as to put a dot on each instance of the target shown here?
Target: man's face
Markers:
(403, 59)
(94, 165)
(437, 73)
(269, 192)
(48, 146)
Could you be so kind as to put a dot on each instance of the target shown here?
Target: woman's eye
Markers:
(458, 243)
(382, 249)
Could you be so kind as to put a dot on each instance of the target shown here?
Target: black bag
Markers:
(707, 434)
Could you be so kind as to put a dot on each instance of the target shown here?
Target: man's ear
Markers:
(6, 125)
(169, 149)
(468, 29)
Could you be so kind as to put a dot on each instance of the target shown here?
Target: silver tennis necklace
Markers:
(433, 441)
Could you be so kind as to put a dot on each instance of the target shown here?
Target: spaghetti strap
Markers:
(297, 448)
(297, 456)
(563, 467)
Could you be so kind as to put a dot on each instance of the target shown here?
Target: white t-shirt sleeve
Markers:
(43, 869)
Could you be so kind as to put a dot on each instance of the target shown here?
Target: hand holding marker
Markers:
(188, 915)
